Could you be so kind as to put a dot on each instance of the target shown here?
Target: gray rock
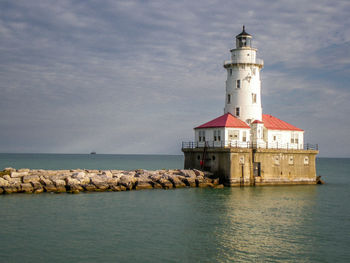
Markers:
(30, 178)
(90, 187)
(175, 180)
(16, 180)
(27, 188)
(215, 181)
(3, 182)
(10, 189)
(18, 174)
(127, 181)
(72, 181)
(116, 188)
(38, 188)
(73, 185)
(78, 175)
(198, 172)
(59, 182)
(24, 170)
(155, 177)
(108, 174)
(143, 185)
(165, 183)
(83, 178)
(112, 182)
(9, 169)
(199, 180)
(49, 186)
(204, 185)
(191, 182)
(100, 184)
(188, 173)
(74, 188)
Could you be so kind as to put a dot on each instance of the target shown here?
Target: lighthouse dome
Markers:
(243, 39)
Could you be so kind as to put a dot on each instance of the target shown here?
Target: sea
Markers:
(300, 223)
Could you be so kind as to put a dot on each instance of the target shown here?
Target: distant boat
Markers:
(93, 153)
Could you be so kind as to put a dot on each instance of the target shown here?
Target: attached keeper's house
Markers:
(227, 130)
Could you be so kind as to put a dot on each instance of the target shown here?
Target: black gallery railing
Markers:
(250, 145)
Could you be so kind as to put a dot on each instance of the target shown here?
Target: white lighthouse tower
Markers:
(243, 85)
(243, 124)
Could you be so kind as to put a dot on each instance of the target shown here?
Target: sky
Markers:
(135, 77)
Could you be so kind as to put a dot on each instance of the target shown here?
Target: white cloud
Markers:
(130, 73)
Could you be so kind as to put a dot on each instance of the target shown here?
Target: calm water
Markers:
(252, 224)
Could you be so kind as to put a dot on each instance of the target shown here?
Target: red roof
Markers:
(226, 120)
(257, 121)
(273, 123)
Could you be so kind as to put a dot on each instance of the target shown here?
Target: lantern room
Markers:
(243, 39)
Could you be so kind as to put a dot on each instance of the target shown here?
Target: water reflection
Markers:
(265, 223)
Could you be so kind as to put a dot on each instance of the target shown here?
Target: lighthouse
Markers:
(244, 146)
(243, 123)
(243, 85)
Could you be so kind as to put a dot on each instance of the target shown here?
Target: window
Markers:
(233, 135)
(236, 135)
(237, 111)
(230, 71)
(201, 136)
(294, 138)
(238, 84)
(244, 136)
(291, 160)
(276, 160)
(277, 137)
(228, 98)
(217, 135)
(253, 98)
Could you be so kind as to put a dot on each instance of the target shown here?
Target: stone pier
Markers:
(248, 167)
(75, 181)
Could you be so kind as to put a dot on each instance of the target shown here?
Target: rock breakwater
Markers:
(76, 181)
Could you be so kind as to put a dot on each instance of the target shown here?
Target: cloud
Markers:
(137, 76)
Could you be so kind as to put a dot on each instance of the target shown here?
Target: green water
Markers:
(91, 161)
(252, 224)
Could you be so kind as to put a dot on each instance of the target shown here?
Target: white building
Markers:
(243, 123)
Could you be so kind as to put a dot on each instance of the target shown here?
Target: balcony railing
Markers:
(250, 145)
(257, 61)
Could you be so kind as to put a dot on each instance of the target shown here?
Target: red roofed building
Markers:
(227, 120)
(273, 123)
(224, 129)
(229, 130)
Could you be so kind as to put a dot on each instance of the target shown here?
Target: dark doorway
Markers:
(256, 168)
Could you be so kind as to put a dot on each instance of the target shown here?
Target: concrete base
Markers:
(247, 167)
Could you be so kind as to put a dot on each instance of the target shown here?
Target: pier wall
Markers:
(245, 167)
